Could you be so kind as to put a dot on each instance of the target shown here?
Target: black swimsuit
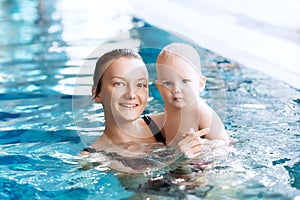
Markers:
(153, 127)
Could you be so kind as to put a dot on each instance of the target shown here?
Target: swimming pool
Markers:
(41, 53)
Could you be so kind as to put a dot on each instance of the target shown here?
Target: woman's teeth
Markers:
(128, 105)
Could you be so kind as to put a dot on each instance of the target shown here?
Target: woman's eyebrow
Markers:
(122, 78)
(117, 77)
(141, 79)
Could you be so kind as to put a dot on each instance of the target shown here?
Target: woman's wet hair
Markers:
(106, 60)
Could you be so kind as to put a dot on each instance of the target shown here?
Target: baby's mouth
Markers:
(177, 98)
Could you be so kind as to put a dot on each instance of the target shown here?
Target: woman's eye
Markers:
(141, 85)
(119, 84)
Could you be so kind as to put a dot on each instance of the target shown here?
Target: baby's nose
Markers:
(176, 88)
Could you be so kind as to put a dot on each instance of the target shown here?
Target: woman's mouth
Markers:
(129, 105)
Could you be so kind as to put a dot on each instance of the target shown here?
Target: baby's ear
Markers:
(96, 98)
(157, 84)
(202, 83)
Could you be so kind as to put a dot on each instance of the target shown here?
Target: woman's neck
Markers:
(120, 132)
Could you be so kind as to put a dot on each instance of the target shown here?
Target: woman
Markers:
(121, 86)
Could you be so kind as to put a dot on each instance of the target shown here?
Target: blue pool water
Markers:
(43, 45)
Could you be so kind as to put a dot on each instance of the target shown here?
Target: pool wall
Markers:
(260, 35)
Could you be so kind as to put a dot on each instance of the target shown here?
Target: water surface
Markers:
(43, 46)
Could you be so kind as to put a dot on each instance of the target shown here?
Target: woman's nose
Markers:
(130, 93)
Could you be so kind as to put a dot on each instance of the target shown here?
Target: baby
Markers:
(179, 81)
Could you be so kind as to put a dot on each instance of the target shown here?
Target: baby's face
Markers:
(178, 81)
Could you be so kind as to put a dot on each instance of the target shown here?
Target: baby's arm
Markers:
(210, 119)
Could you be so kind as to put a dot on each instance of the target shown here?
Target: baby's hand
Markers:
(192, 144)
(194, 133)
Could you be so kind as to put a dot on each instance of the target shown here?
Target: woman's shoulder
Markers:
(158, 118)
(100, 144)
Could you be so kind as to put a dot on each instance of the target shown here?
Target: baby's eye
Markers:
(186, 80)
(119, 84)
(167, 83)
(141, 85)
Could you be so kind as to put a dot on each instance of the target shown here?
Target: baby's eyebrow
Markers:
(164, 80)
(187, 77)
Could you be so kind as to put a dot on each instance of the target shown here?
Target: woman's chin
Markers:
(131, 115)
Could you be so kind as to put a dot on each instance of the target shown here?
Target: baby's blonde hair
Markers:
(184, 51)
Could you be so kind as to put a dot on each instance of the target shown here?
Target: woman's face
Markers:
(124, 90)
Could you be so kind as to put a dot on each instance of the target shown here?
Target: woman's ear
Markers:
(202, 83)
(97, 98)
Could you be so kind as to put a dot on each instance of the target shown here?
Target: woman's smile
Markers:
(129, 105)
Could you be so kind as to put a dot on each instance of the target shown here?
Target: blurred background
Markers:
(264, 35)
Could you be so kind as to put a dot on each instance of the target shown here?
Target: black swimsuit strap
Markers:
(154, 129)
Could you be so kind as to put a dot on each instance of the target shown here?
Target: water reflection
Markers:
(28, 32)
(40, 55)
(32, 53)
